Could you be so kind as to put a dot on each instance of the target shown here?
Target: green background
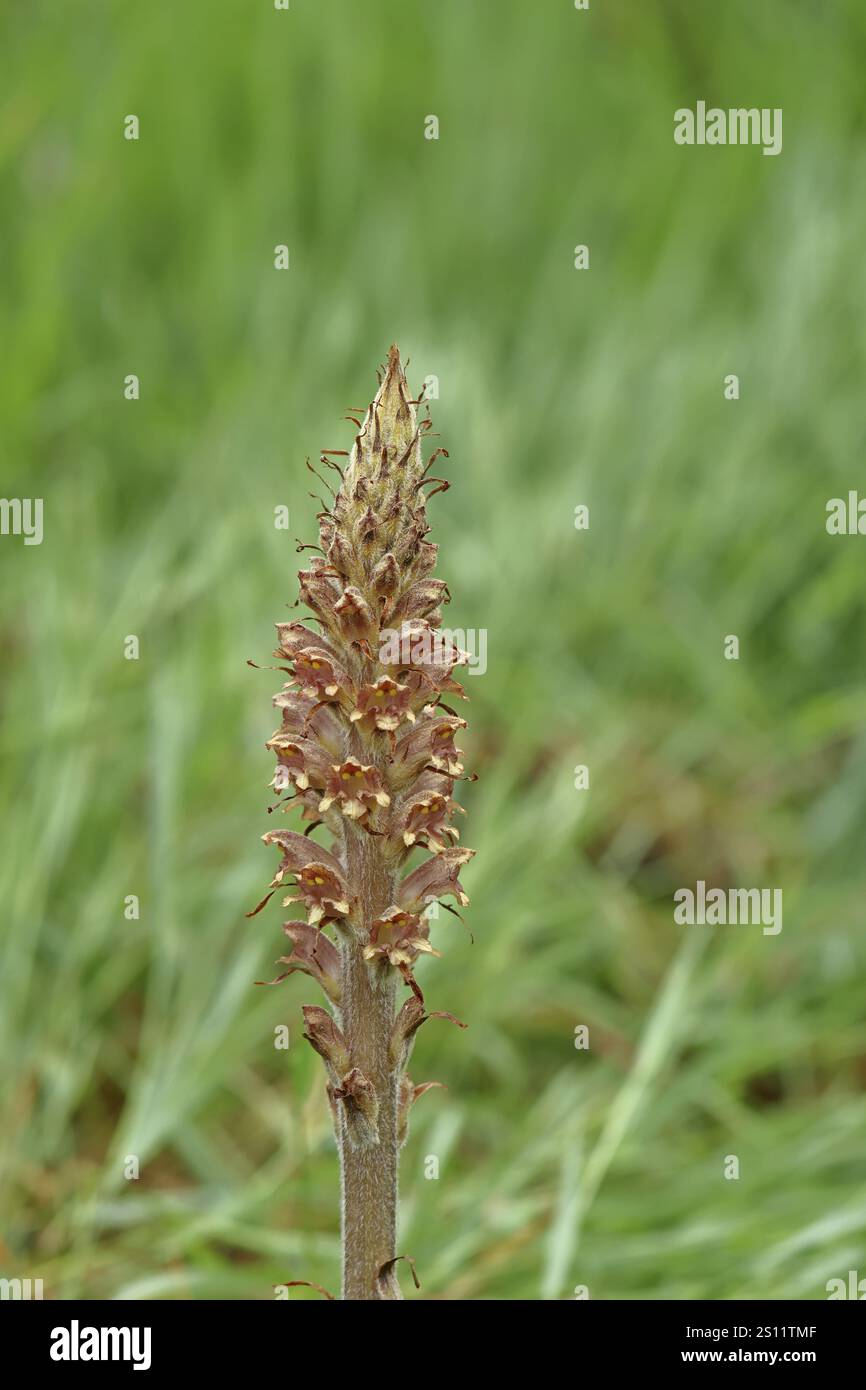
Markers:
(558, 1167)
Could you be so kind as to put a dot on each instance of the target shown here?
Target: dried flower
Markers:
(366, 749)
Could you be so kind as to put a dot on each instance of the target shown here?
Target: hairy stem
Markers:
(369, 1174)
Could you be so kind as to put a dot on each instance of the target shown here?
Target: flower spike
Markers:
(366, 751)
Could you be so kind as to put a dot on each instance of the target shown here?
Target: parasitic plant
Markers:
(366, 750)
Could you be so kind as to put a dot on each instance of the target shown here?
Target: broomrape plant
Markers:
(366, 750)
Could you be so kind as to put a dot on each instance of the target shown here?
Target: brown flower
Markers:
(314, 955)
(318, 876)
(398, 938)
(319, 676)
(356, 789)
(430, 744)
(435, 878)
(424, 819)
(304, 762)
(383, 705)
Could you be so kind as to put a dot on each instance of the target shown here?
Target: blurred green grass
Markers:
(557, 1167)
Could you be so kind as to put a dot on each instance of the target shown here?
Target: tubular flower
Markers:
(366, 750)
(397, 939)
(383, 706)
(356, 789)
(313, 954)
